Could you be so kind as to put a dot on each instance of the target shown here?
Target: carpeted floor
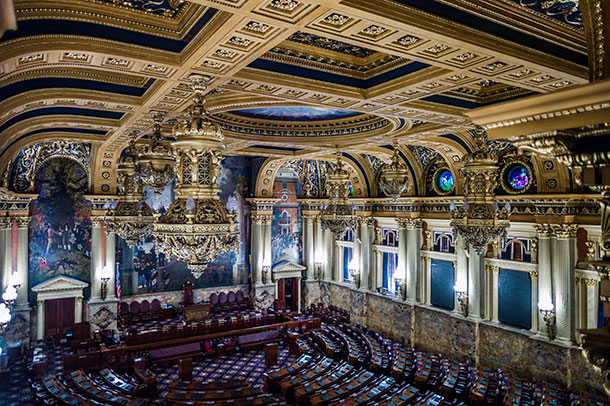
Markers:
(249, 365)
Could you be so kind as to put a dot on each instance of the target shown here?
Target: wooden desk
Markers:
(197, 312)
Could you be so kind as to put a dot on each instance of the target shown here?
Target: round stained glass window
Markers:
(519, 177)
(445, 181)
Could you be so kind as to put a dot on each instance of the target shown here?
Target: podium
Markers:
(196, 312)
(271, 354)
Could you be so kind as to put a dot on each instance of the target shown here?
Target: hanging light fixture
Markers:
(197, 227)
(155, 163)
(338, 215)
(480, 221)
(394, 177)
(130, 218)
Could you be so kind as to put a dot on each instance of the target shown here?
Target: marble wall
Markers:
(445, 332)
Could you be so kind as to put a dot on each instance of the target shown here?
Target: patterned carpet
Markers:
(249, 365)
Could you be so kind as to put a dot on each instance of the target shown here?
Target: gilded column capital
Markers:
(367, 221)
(22, 222)
(40, 302)
(492, 269)
(565, 230)
(96, 221)
(79, 299)
(578, 281)
(309, 218)
(412, 224)
(5, 222)
(543, 230)
(263, 219)
(534, 275)
(403, 223)
(591, 283)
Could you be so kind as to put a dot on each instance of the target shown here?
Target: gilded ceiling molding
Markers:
(596, 17)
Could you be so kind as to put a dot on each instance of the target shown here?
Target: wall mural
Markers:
(287, 224)
(60, 229)
(156, 273)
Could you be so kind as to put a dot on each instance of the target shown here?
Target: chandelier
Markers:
(197, 227)
(480, 221)
(155, 163)
(130, 218)
(394, 177)
(338, 215)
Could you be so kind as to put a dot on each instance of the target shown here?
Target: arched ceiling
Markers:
(91, 70)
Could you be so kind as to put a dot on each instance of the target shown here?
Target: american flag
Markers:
(118, 284)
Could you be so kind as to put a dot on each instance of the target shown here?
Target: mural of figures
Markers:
(156, 273)
(286, 227)
(60, 229)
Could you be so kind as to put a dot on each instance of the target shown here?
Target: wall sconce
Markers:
(462, 297)
(548, 314)
(5, 317)
(402, 288)
(318, 271)
(104, 287)
(354, 272)
(9, 297)
(266, 271)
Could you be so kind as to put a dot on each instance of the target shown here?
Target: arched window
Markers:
(515, 250)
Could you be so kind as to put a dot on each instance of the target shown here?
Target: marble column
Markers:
(427, 269)
(356, 251)
(378, 269)
(493, 274)
(319, 250)
(110, 269)
(461, 269)
(40, 320)
(4, 272)
(329, 248)
(403, 248)
(367, 260)
(564, 260)
(299, 295)
(267, 244)
(21, 275)
(476, 274)
(592, 287)
(534, 308)
(545, 280)
(308, 246)
(413, 266)
(97, 265)
(256, 250)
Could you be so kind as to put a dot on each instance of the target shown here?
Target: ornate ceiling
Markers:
(290, 78)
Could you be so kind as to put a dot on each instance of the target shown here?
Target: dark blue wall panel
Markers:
(442, 280)
(515, 298)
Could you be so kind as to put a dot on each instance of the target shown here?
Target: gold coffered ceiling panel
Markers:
(401, 69)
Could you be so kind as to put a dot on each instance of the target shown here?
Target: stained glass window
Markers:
(519, 177)
(445, 181)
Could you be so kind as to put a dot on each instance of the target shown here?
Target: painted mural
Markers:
(287, 224)
(295, 113)
(156, 273)
(60, 229)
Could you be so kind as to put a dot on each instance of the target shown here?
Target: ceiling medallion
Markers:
(130, 218)
(197, 227)
(338, 215)
(480, 221)
(394, 177)
(155, 163)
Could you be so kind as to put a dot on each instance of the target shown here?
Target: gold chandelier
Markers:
(338, 215)
(394, 177)
(480, 221)
(197, 227)
(155, 163)
(130, 218)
